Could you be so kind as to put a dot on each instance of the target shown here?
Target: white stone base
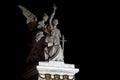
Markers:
(56, 67)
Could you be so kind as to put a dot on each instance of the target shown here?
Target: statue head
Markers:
(47, 76)
(56, 77)
(65, 77)
(45, 17)
(55, 22)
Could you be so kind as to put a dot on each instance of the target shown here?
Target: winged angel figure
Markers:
(46, 45)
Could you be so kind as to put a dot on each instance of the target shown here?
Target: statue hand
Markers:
(54, 7)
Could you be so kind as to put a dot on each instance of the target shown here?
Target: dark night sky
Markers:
(82, 23)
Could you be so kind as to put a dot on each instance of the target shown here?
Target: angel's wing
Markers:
(30, 16)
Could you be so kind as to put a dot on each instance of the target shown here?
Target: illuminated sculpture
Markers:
(47, 50)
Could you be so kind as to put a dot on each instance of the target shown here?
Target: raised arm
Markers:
(52, 16)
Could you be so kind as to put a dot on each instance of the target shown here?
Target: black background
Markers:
(84, 24)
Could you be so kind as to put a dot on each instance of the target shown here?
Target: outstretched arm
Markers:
(52, 16)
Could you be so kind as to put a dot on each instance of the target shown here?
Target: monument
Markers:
(48, 47)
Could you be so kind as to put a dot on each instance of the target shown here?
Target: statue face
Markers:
(45, 17)
(55, 22)
(48, 76)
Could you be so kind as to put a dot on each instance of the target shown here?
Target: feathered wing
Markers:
(30, 16)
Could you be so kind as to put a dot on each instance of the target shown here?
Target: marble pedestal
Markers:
(55, 70)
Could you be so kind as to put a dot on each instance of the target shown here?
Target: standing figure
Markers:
(53, 51)
(37, 51)
(38, 43)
